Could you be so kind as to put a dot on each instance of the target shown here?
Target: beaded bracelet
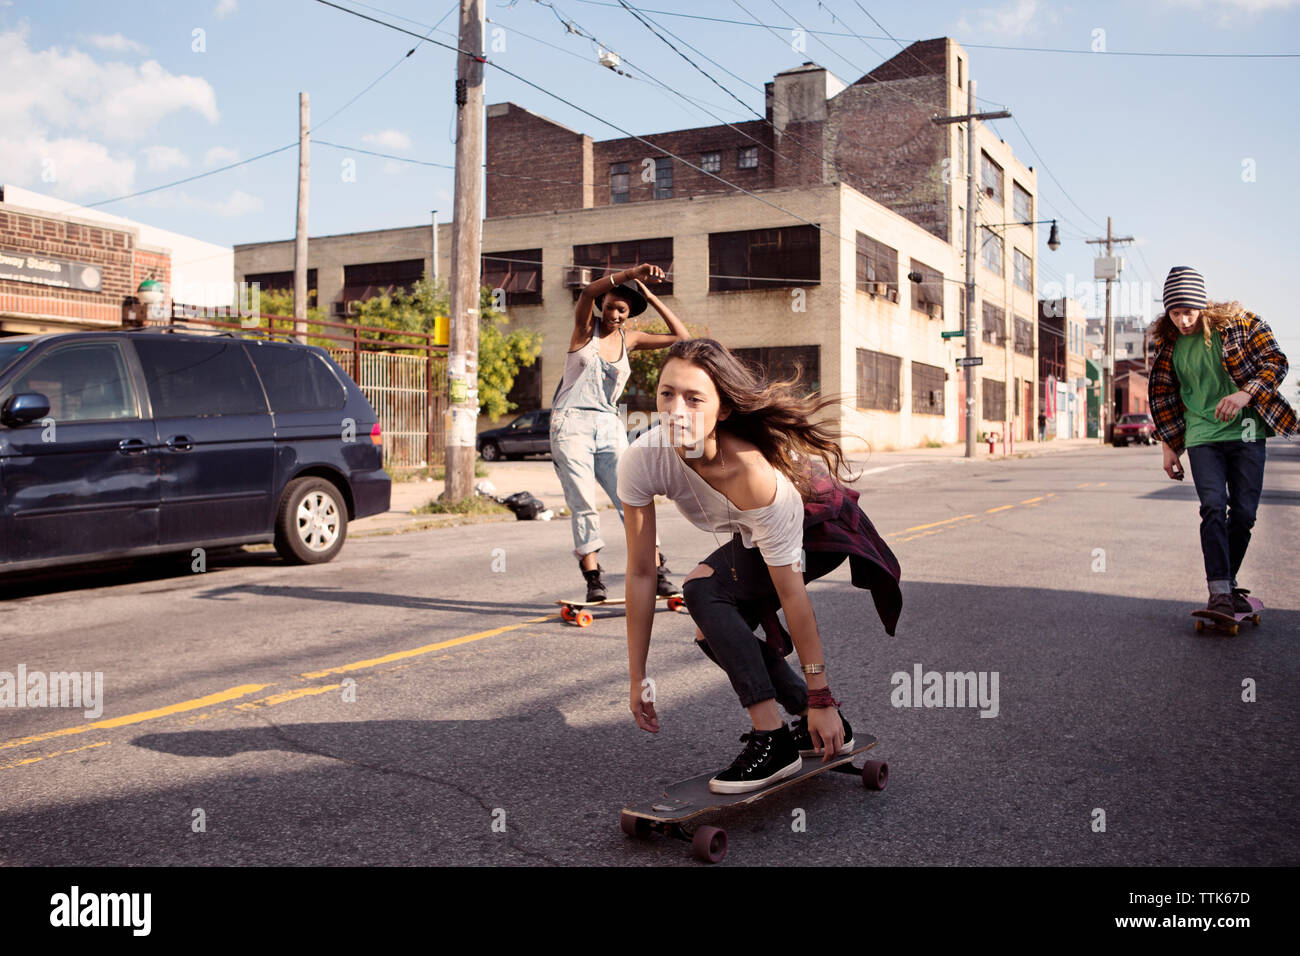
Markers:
(821, 697)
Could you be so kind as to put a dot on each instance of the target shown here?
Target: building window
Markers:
(663, 178)
(604, 258)
(619, 182)
(878, 385)
(519, 273)
(1024, 271)
(927, 389)
(801, 362)
(877, 263)
(993, 329)
(927, 295)
(995, 399)
(526, 392)
(1016, 398)
(991, 178)
(991, 250)
(711, 162)
(764, 258)
(370, 279)
(747, 157)
(283, 282)
(1025, 336)
(1022, 204)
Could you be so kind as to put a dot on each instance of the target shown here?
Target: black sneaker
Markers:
(803, 739)
(767, 758)
(1222, 605)
(664, 587)
(1239, 602)
(595, 586)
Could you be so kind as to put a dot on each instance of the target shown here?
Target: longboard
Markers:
(1226, 623)
(575, 612)
(690, 798)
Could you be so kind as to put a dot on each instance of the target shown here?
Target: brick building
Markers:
(858, 190)
(1062, 367)
(65, 267)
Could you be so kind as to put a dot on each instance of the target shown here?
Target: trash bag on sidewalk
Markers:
(525, 505)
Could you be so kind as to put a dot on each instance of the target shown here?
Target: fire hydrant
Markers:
(992, 438)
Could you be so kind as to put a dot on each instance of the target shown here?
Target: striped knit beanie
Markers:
(1184, 289)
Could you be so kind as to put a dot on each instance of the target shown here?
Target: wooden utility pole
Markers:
(300, 235)
(1106, 407)
(972, 209)
(466, 243)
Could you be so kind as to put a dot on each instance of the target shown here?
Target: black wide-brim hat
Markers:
(636, 303)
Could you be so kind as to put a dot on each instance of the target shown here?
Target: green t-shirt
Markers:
(1204, 383)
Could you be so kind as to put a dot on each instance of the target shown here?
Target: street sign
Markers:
(977, 360)
(957, 334)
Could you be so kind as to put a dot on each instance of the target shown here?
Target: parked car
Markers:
(529, 434)
(1136, 427)
(130, 443)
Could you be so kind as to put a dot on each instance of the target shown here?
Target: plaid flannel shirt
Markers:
(1250, 357)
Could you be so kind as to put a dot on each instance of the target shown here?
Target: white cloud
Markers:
(68, 167)
(225, 8)
(1236, 12)
(159, 159)
(1012, 19)
(237, 203)
(387, 139)
(68, 89)
(220, 156)
(114, 43)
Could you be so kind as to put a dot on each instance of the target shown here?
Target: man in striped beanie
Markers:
(1214, 390)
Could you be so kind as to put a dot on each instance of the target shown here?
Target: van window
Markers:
(199, 379)
(296, 379)
(84, 382)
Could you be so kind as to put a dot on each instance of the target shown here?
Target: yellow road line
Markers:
(1001, 508)
(287, 696)
(427, 649)
(57, 753)
(922, 527)
(1084, 485)
(1101, 484)
(241, 691)
(1030, 501)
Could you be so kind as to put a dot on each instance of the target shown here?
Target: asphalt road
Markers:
(486, 731)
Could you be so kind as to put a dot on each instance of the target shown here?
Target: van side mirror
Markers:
(24, 408)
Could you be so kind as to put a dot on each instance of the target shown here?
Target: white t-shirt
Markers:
(650, 466)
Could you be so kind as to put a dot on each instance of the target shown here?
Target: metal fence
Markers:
(399, 386)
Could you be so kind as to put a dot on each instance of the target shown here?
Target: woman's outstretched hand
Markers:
(646, 272)
(642, 704)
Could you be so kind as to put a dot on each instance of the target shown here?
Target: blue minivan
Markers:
(128, 443)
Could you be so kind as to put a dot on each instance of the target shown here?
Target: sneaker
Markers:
(595, 586)
(803, 741)
(664, 587)
(1239, 602)
(767, 758)
(1221, 604)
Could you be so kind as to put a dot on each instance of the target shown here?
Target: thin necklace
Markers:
(705, 513)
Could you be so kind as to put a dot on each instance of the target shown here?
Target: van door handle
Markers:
(179, 443)
(132, 446)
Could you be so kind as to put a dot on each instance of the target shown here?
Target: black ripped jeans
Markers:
(727, 611)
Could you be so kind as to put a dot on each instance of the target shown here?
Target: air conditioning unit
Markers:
(893, 295)
(936, 310)
(577, 277)
(879, 288)
(353, 307)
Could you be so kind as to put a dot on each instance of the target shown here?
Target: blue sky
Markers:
(108, 99)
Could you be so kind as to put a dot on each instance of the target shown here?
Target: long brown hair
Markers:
(775, 416)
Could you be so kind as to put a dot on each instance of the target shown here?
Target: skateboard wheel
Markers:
(675, 604)
(634, 826)
(709, 844)
(1200, 626)
(875, 774)
(1255, 620)
(584, 619)
(1232, 629)
(566, 613)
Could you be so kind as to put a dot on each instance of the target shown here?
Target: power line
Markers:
(979, 46)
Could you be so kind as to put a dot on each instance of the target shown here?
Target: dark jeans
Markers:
(1229, 477)
(727, 611)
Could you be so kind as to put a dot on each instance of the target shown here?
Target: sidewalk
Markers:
(537, 475)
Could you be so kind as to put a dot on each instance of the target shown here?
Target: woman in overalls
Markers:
(587, 432)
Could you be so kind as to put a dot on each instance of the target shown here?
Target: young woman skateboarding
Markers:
(587, 433)
(734, 453)
(1215, 390)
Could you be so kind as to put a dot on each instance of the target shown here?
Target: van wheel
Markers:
(312, 522)
(490, 452)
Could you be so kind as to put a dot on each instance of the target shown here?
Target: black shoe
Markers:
(1239, 602)
(767, 758)
(664, 587)
(1221, 604)
(595, 586)
(803, 741)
